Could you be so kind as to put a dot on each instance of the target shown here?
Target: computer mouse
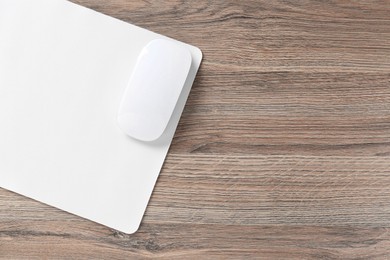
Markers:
(153, 90)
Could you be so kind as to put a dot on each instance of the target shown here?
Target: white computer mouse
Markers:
(154, 89)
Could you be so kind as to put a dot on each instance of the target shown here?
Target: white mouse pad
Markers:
(63, 71)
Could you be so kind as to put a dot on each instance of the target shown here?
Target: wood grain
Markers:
(283, 150)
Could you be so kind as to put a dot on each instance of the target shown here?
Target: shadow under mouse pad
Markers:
(63, 71)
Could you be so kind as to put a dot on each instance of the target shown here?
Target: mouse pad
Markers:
(63, 71)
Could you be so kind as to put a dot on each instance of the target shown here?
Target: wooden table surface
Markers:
(283, 150)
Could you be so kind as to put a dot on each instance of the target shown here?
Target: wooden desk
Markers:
(283, 151)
